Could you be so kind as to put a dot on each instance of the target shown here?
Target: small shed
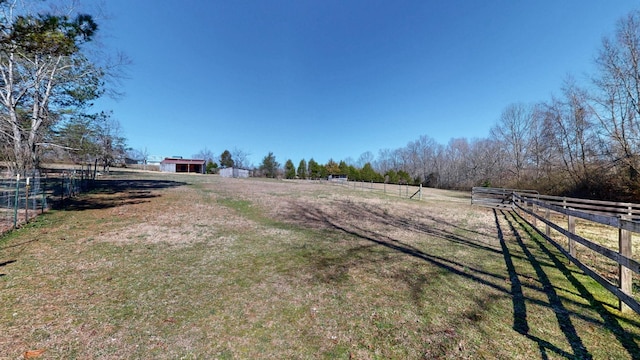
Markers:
(338, 178)
(176, 165)
(234, 173)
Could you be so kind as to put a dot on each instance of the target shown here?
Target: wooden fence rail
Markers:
(614, 214)
(495, 197)
(608, 208)
(627, 265)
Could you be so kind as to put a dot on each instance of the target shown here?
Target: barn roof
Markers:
(182, 161)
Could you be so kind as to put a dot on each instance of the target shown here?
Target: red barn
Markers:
(178, 165)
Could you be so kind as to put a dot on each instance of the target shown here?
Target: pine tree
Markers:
(367, 173)
(332, 167)
(302, 169)
(289, 170)
(392, 176)
(225, 160)
(270, 166)
(212, 167)
(314, 170)
(344, 168)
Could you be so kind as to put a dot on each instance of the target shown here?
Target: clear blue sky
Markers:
(335, 78)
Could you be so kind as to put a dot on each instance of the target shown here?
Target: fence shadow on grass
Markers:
(562, 314)
(7, 262)
(312, 216)
(112, 193)
(609, 319)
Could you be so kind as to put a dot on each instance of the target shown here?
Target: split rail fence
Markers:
(553, 210)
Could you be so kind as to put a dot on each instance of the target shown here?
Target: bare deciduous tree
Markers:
(512, 131)
(366, 157)
(205, 154)
(617, 105)
(111, 144)
(241, 158)
(568, 130)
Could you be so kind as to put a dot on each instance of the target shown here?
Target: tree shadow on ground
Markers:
(113, 193)
(347, 218)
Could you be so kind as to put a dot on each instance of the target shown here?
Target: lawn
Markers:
(152, 266)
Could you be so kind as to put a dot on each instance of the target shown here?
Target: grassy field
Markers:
(200, 267)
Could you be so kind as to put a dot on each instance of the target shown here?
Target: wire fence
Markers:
(24, 197)
(399, 190)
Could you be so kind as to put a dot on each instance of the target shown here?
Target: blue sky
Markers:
(335, 78)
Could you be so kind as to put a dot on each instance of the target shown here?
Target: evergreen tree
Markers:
(343, 168)
(354, 173)
(404, 177)
(302, 169)
(332, 168)
(212, 167)
(225, 160)
(314, 170)
(323, 172)
(289, 170)
(391, 176)
(367, 173)
(270, 166)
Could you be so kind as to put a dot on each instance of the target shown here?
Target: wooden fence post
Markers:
(572, 229)
(625, 281)
(534, 221)
(547, 228)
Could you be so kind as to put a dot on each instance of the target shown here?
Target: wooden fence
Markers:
(552, 209)
(496, 197)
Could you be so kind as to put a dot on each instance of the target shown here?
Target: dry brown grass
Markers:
(173, 267)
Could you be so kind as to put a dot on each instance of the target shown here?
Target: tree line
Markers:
(584, 141)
